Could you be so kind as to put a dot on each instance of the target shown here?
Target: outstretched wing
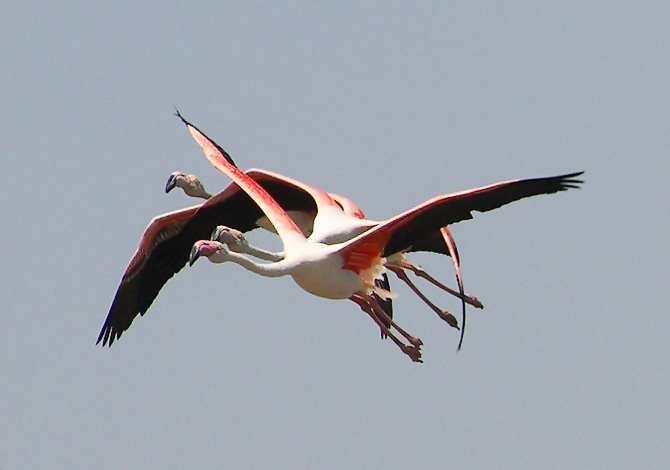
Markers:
(167, 242)
(418, 229)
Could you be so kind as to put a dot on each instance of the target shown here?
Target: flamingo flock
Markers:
(330, 248)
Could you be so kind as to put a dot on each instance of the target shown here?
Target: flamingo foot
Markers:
(474, 301)
(414, 341)
(449, 318)
(413, 352)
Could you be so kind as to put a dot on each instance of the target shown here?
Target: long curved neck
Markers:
(264, 254)
(198, 193)
(277, 269)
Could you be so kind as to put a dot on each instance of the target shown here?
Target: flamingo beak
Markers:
(195, 254)
(171, 183)
(217, 233)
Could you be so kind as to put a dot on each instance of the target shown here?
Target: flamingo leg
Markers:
(443, 314)
(368, 305)
(382, 315)
(419, 271)
(453, 253)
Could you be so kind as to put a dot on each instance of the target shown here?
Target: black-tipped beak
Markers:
(195, 254)
(216, 233)
(171, 183)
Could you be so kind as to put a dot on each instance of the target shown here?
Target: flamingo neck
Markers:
(276, 269)
(200, 193)
(192, 186)
(264, 254)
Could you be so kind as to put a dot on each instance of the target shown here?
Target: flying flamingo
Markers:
(337, 219)
(349, 269)
(333, 227)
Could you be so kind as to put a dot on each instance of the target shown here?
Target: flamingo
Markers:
(333, 226)
(349, 269)
(337, 219)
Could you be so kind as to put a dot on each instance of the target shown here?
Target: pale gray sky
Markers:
(389, 103)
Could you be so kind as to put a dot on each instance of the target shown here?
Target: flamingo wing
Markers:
(321, 198)
(165, 246)
(419, 228)
(142, 277)
(400, 232)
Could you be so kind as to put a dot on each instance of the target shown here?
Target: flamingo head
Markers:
(207, 248)
(189, 183)
(235, 239)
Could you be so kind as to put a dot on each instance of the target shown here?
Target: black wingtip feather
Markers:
(570, 181)
(106, 336)
(225, 154)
